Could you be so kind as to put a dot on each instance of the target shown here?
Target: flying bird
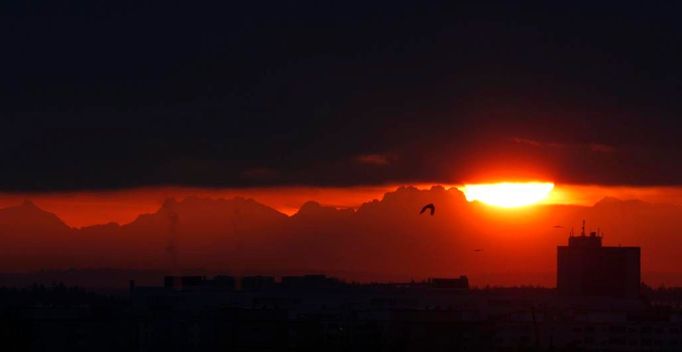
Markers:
(429, 206)
(478, 250)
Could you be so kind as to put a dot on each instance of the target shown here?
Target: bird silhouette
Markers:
(429, 206)
(478, 250)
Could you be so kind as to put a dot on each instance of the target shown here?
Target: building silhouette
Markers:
(586, 268)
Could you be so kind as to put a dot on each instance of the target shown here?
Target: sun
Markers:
(508, 194)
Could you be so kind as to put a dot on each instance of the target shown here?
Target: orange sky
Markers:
(79, 209)
(528, 236)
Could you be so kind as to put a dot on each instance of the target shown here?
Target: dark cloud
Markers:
(259, 174)
(374, 159)
(107, 95)
(602, 148)
(595, 147)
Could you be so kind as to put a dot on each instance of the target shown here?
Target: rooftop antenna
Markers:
(583, 230)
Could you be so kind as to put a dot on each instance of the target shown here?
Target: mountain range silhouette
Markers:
(381, 240)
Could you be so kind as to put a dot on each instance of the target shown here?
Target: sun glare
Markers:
(508, 194)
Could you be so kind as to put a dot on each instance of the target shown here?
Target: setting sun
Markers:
(508, 194)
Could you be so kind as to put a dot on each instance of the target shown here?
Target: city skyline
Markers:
(462, 237)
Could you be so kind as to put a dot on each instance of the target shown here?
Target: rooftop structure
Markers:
(586, 268)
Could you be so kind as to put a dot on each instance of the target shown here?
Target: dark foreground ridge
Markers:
(320, 313)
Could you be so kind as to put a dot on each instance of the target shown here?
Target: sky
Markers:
(100, 96)
(111, 111)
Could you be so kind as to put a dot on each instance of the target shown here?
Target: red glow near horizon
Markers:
(80, 209)
(524, 232)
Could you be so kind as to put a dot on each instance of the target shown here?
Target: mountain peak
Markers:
(205, 212)
(628, 203)
(27, 203)
(28, 215)
(169, 203)
(310, 205)
(608, 200)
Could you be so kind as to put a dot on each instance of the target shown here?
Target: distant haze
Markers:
(383, 239)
